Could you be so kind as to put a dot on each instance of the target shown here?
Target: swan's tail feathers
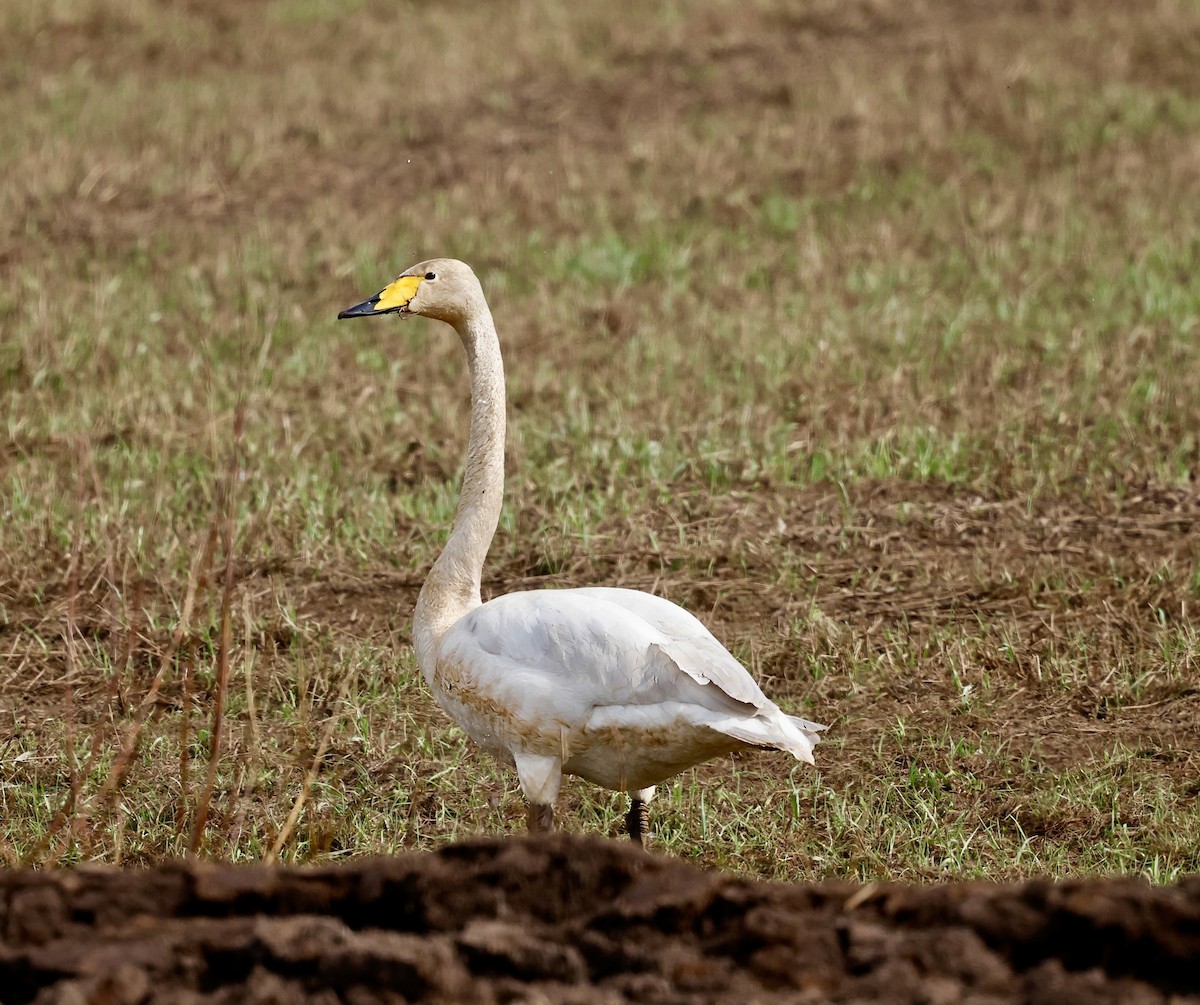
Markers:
(808, 727)
(784, 732)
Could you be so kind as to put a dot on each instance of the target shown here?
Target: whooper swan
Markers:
(619, 687)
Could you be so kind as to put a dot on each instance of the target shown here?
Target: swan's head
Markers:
(441, 288)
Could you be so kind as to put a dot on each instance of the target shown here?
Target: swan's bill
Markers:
(394, 297)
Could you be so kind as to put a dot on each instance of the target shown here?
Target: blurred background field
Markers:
(865, 330)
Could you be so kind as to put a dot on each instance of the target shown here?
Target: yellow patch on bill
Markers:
(399, 293)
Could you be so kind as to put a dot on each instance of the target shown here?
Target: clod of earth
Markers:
(557, 918)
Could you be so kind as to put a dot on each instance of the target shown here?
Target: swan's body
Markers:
(619, 687)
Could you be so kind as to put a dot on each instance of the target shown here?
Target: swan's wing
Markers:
(573, 650)
(540, 665)
(692, 646)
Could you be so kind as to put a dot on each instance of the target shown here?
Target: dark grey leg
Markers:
(539, 817)
(637, 821)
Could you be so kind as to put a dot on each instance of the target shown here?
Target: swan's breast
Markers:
(496, 715)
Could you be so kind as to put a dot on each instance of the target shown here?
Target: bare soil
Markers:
(582, 920)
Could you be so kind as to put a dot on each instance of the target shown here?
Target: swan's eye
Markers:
(431, 275)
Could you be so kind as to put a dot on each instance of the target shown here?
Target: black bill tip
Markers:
(364, 310)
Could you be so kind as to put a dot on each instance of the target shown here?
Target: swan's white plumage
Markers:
(617, 686)
(625, 688)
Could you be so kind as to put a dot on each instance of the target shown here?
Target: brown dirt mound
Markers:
(568, 919)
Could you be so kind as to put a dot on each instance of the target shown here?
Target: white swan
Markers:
(619, 687)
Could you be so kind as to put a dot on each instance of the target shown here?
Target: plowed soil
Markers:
(569, 919)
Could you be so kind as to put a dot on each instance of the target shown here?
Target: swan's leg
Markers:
(539, 817)
(541, 778)
(637, 820)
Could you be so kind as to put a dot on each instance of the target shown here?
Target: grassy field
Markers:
(866, 330)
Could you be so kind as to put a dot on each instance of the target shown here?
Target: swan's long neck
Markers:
(452, 588)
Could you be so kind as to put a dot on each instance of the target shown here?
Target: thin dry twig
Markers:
(222, 688)
(326, 735)
(248, 780)
(75, 775)
(132, 737)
